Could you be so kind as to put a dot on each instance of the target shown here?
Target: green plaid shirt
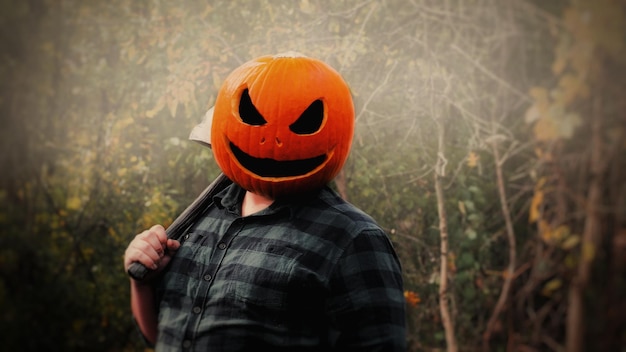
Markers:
(311, 274)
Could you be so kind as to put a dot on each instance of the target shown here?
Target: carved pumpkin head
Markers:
(282, 125)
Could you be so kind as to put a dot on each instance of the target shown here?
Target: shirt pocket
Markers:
(262, 274)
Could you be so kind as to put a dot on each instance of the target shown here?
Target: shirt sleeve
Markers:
(141, 335)
(366, 307)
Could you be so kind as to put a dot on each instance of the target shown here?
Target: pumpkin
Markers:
(282, 125)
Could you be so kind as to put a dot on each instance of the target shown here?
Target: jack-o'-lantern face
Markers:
(282, 125)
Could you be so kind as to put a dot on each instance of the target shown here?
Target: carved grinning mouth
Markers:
(266, 167)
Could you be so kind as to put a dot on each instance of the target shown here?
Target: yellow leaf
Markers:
(73, 203)
(217, 81)
(540, 183)
(551, 286)
(589, 252)
(532, 114)
(535, 205)
(451, 262)
(88, 252)
(307, 7)
(572, 87)
(545, 130)
(570, 242)
(462, 208)
(131, 52)
(543, 155)
(157, 108)
(568, 124)
(113, 233)
(472, 159)
(545, 231)
(122, 123)
(560, 233)
(570, 261)
(558, 65)
(206, 11)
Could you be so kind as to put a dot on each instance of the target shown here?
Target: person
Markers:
(276, 261)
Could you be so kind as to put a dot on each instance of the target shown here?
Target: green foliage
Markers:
(98, 98)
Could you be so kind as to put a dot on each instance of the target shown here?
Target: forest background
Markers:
(490, 145)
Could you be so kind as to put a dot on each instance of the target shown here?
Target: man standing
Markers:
(277, 260)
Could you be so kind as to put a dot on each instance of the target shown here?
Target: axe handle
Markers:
(187, 218)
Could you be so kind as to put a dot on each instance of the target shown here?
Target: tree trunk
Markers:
(446, 319)
(591, 234)
(510, 271)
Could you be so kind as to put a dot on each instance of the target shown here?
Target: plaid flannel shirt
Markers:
(309, 274)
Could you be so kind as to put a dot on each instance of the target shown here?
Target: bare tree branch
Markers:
(491, 75)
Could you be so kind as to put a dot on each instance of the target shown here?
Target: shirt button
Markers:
(221, 245)
(207, 277)
(186, 344)
(197, 310)
(186, 236)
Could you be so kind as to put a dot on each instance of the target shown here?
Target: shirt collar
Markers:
(231, 198)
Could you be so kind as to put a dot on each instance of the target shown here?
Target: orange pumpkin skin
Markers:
(282, 125)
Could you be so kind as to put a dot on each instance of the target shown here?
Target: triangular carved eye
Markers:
(311, 119)
(248, 112)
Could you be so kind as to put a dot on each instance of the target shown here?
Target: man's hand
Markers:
(151, 248)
